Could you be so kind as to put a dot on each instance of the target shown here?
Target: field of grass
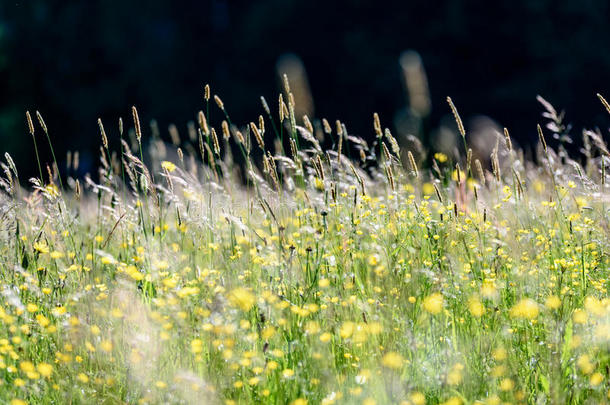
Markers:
(320, 269)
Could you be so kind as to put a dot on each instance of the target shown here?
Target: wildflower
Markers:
(41, 247)
(440, 157)
(525, 309)
(268, 332)
(169, 166)
(288, 373)
(347, 329)
(457, 174)
(133, 272)
(45, 369)
(579, 316)
(106, 345)
(242, 298)
(27, 366)
(596, 379)
(499, 354)
(507, 384)
(595, 306)
(392, 360)
(552, 302)
(488, 289)
(428, 189)
(433, 303)
(417, 398)
(454, 377)
(453, 401)
(56, 254)
(585, 365)
(475, 307)
(323, 283)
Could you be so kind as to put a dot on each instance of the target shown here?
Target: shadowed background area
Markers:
(75, 61)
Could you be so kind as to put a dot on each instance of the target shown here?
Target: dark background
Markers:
(76, 61)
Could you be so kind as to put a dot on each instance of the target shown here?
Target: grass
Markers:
(307, 277)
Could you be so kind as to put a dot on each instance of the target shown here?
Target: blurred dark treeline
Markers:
(76, 61)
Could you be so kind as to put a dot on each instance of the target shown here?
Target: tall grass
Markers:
(307, 276)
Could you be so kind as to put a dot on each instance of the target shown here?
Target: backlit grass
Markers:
(320, 269)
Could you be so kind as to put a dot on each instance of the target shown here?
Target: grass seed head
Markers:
(136, 122)
(456, 115)
(604, 102)
(103, 132)
(219, 102)
(28, 118)
(541, 138)
(43, 125)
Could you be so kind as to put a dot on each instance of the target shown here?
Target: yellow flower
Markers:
(106, 345)
(552, 302)
(323, 283)
(417, 398)
(453, 401)
(82, 377)
(595, 306)
(42, 320)
(27, 366)
(585, 365)
(428, 188)
(525, 309)
(454, 175)
(41, 247)
(579, 316)
(507, 384)
(56, 254)
(433, 303)
(242, 298)
(133, 272)
(476, 307)
(268, 332)
(169, 166)
(454, 377)
(440, 157)
(499, 354)
(45, 369)
(392, 360)
(596, 379)
(196, 346)
(347, 329)
(288, 373)
(18, 401)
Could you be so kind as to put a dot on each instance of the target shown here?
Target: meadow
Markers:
(290, 262)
